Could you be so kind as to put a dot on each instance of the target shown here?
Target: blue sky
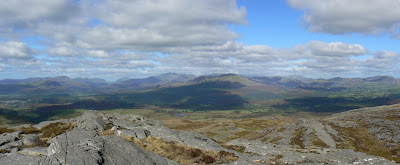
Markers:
(276, 24)
(114, 39)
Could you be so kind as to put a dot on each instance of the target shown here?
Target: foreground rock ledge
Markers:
(100, 138)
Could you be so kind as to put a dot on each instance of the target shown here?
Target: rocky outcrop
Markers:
(100, 138)
(286, 154)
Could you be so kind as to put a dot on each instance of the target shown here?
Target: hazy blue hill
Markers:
(198, 96)
(18, 81)
(135, 83)
(13, 88)
(175, 77)
(93, 81)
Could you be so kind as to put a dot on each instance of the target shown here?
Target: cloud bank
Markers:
(350, 16)
(117, 38)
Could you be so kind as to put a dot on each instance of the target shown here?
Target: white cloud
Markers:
(116, 38)
(22, 13)
(98, 53)
(164, 26)
(350, 16)
(336, 49)
(15, 50)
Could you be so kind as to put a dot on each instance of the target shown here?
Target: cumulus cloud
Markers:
(166, 26)
(21, 13)
(382, 62)
(335, 49)
(119, 38)
(350, 16)
(15, 50)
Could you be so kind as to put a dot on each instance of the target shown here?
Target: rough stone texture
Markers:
(345, 124)
(291, 155)
(17, 159)
(31, 140)
(86, 147)
(91, 120)
(189, 138)
(119, 151)
(83, 145)
(76, 146)
(11, 145)
(20, 126)
(35, 151)
(136, 133)
(319, 130)
(9, 137)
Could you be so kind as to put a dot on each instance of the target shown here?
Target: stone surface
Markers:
(31, 140)
(35, 151)
(17, 159)
(136, 133)
(287, 154)
(86, 147)
(9, 137)
(91, 120)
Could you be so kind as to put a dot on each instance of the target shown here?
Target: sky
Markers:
(112, 39)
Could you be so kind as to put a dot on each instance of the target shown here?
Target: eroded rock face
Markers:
(287, 154)
(31, 140)
(91, 121)
(101, 138)
(87, 147)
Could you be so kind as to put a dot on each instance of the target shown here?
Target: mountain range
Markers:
(66, 85)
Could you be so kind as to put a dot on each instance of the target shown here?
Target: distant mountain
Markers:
(151, 82)
(18, 81)
(175, 77)
(275, 84)
(93, 81)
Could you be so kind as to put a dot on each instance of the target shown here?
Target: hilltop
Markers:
(369, 135)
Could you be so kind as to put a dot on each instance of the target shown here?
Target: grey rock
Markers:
(86, 147)
(20, 126)
(31, 140)
(291, 155)
(119, 151)
(345, 124)
(75, 147)
(11, 145)
(189, 138)
(242, 162)
(35, 151)
(124, 124)
(17, 159)
(9, 137)
(91, 120)
(137, 133)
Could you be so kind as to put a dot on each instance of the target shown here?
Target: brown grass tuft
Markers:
(29, 130)
(318, 142)
(298, 138)
(183, 154)
(5, 130)
(107, 130)
(4, 151)
(55, 129)
(360, 139)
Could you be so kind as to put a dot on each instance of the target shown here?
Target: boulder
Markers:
(137, 133)
(87, 147)
(9, 137)
(17, 159)
(34, 151)
(31, 140)
(91, 121)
